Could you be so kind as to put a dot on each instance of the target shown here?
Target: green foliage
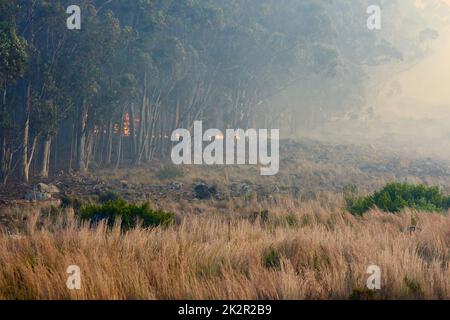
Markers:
(8, 127)
(108, 196)
(414, 287)
(271, 258)
(13, 54)
(71, 202)
(130, 214)
(44, 118)
(164, 62)
(291, 220)
(396, 196)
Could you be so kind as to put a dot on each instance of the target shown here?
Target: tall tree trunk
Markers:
(132, 129)
(4, 167)
(73, 143)
(141, 136)
(45, 157)
(24, 160)
(90, 140)
(119, 141)
(30, 159)
(3, 163)
(55, 154)
(99, 146)
(109, 143)
(81, 141)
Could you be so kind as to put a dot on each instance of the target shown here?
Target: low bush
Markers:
(271, 258)
(71, 202)
(130, 214)
(396, 196)
(108, 196)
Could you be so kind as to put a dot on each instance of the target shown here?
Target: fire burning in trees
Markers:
(126, 125)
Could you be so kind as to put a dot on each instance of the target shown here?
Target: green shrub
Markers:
(71, 202)
(271, 258)
(170, 172)
(291, 220)
(108, 196)
(414, 287)
(130, 214)
(396, 196)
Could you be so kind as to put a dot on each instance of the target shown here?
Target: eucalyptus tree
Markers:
(162, 64)
(13, 59)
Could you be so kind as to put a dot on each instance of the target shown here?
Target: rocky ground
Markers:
(306, 167)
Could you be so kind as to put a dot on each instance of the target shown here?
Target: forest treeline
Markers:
(112, 92)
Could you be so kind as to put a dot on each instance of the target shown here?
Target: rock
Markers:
(245, 189)
(34, 195)
(98, 187)
(44, 188)
(203, 191)
(241, 189)
(175, 186)
(41, 192)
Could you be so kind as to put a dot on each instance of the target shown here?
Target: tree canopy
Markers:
(115, 90)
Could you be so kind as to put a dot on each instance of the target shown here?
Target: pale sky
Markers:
(429, 81)
(423, 3)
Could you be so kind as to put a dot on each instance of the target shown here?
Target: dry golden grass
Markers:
(300, 251)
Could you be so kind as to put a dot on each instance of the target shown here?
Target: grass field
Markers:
(285, 237)
(233, 250)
